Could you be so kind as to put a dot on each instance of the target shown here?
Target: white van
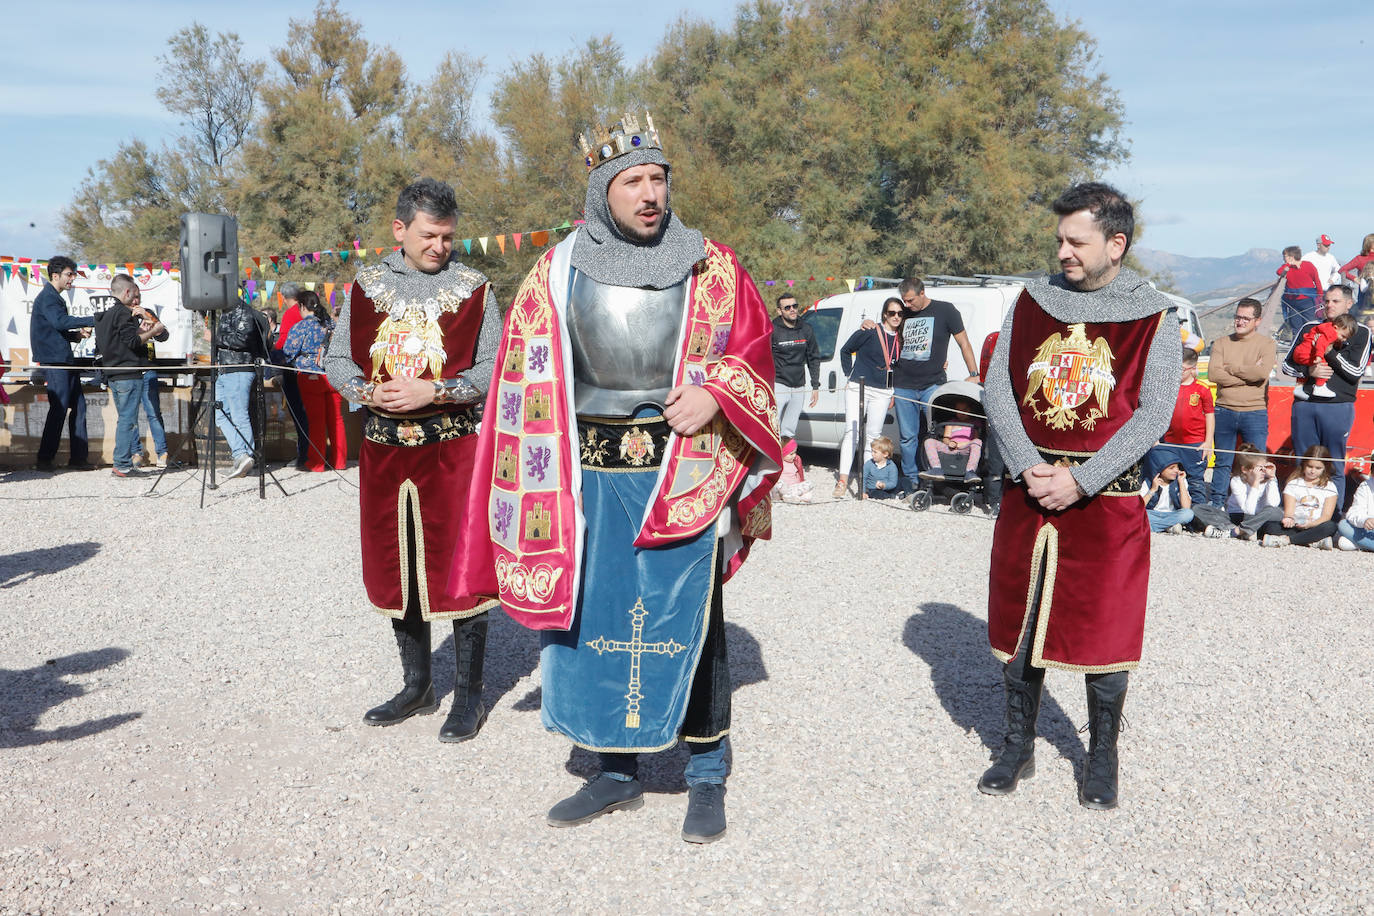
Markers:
(982, 302)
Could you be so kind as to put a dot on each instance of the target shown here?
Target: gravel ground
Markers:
(180, 730)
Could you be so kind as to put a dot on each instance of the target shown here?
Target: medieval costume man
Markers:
(629, 447)
(426, 328)
(1082, 383)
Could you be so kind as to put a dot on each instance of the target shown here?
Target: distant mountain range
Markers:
(1201, 279)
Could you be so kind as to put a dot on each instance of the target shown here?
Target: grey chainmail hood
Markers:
(1126, 298)
(602, 253)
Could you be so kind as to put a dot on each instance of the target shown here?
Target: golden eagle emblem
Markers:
(1068, 373)
(409, 341)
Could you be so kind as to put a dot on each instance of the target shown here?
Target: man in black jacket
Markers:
(121, 336)
(1328, 422)
(243, 334)
(794, 350)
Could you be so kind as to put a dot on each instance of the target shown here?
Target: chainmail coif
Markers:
(604, 254)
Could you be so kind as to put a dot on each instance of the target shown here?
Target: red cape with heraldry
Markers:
(1075, 385)
(523, 529)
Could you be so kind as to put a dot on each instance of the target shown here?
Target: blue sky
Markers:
(1247, 121)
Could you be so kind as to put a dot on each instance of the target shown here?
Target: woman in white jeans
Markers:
(868, 355)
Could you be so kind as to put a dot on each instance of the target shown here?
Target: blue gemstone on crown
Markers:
(634, 141)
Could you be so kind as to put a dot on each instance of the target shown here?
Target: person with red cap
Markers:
(1327, 264)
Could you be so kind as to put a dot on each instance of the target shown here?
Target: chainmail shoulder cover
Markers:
(404, 283)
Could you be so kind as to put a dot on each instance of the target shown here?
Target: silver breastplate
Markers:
(624, 345)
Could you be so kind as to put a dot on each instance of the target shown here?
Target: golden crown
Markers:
(620, 138)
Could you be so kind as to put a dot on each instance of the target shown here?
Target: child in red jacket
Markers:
(1313, 346)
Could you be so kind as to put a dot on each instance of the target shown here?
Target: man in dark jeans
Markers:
(122, 337)
(52, 331)
(1328, 422)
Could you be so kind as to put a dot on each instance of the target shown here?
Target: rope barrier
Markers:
(1228, 451)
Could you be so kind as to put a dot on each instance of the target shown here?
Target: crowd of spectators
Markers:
(1212, 473)
(126, 332)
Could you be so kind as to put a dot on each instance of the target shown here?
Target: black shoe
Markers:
(81, 466)
(600, 795)
(412, 700)
(705, 821)
(467, 715)
(1016, 760)
(1106, 698)
(417, 696)
(47, 467)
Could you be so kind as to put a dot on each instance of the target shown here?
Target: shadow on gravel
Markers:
(968, 679)
(17, 568)
(28, 694)
(662, 772)
(512, 653)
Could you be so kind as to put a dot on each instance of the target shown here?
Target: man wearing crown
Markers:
(415, 344)
(628, 449)
(1082, 383)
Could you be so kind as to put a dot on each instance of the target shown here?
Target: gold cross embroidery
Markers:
(635, 646)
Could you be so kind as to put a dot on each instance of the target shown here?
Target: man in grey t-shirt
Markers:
(927, 328)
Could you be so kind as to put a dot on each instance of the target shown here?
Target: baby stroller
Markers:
(954, 448)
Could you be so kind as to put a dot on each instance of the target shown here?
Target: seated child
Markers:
(1314, 343)
(1254, 498)
(793, 487)
(1166, 499)
(961, 435)
(880, 471)
(1356, 530)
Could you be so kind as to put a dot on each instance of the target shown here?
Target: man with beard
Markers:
(625, 466)
(1082, 383)
(795, 353)
(426, 327)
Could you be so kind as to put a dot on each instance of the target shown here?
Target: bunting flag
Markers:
(255, 285)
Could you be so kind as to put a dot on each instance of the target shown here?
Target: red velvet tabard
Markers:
(413, 346)
(1076, 386)
(429, 481)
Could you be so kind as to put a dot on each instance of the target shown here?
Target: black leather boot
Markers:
(417, 696)
(1106, 698)
(1016, 760)
(467, 715)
